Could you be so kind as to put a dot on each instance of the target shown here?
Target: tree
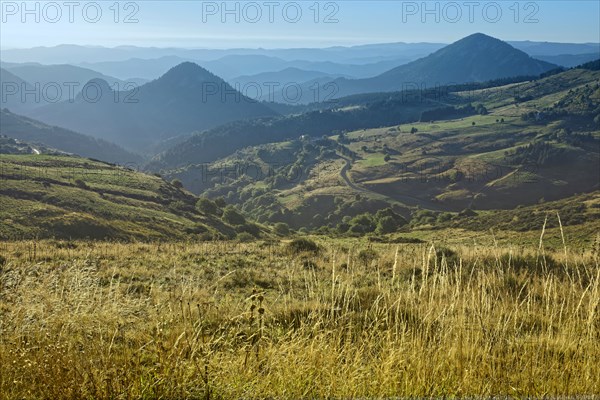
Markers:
(413, 130)
(387, 158)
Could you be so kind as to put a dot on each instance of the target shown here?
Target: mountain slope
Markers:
(11, 89)
(502, 147)
(187, 98)
(49, 84)
(475, 58)
(32, 131)
(343, 114)
(226, 139)
(9, 145)
(70, 197)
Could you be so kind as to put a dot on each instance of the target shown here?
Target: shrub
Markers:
(386, 225)
(467, 212)
(402, 239)
(205, 237)
(362, 223)
(206, 206)
(303, 245)
(343, 227)
(309, 264)
(80, 184)
(281, 228)
(449, 255)
(179, 206)
(220, 202)
(196, 229)
(358, 229)
(177, 183)
(244, 237)
(528, 262)
(366, 256)
(444, 217)
(250, 228)
(233, 217)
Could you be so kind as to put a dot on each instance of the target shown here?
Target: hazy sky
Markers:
(202, 24)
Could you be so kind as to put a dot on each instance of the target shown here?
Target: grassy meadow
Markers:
(286, 319)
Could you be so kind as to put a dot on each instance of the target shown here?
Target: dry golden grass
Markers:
(223, 320)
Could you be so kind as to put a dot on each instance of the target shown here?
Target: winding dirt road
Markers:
(406, 200)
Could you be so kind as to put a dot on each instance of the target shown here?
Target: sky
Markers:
(284, 24)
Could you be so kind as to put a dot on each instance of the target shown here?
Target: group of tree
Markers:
(381, 222)
(452, 112)
(538, 153)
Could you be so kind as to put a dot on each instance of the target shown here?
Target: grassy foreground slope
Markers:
(223, 320)
(62, 196)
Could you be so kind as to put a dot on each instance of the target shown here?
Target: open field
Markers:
(263, 319)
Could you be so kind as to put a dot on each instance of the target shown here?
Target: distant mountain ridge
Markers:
(554, 49)
(75, 54)
(368, 53)
(475, 58)
(187, 98)
(570, 60)
(59, 73)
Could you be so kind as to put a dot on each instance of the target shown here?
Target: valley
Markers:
(425, 157)
(365, 219)
(499, 160)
